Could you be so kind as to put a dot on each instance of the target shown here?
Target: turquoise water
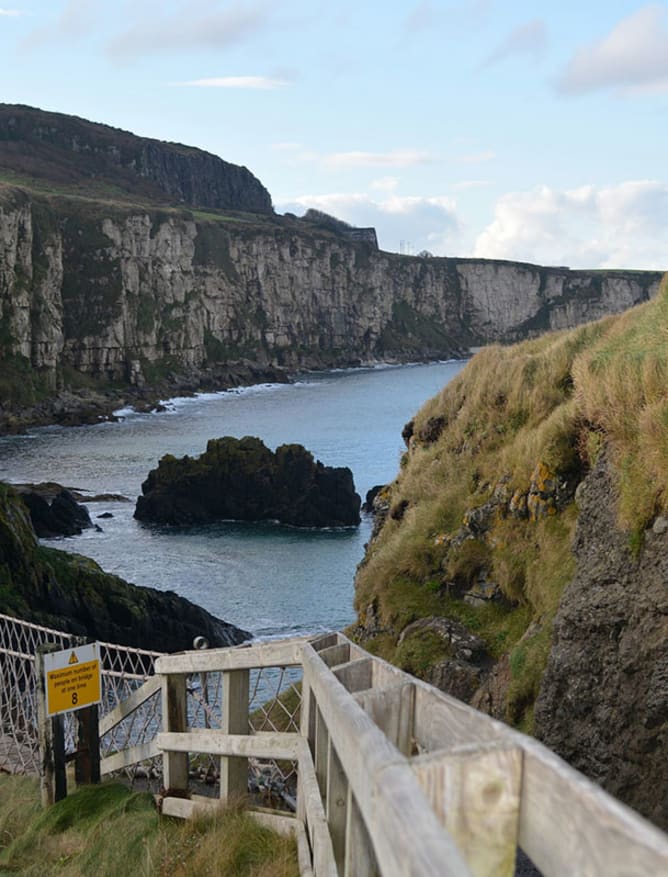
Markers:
(269, 579)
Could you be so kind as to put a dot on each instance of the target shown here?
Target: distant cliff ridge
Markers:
(129, 295)
(143, 264)
(67, 149)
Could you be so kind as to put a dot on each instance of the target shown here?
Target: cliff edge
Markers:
(66, 150)
(519, 558)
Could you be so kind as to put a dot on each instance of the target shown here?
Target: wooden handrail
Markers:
(398, 778)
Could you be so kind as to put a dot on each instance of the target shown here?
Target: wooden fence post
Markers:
(53, 777)
(174, 718)
(87, 760)
(234, 770)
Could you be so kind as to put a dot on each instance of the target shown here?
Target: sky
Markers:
(506, 129)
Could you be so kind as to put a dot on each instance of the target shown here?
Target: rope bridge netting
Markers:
(274, 704)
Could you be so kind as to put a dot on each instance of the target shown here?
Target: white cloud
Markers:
(394, 158)
(10, 13)
(620, 226)
(216, 28)
(428, 223)
(633, 57)
(254, 82)
(477, 157)
(526, 39)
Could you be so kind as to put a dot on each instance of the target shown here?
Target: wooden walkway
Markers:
(395, 778)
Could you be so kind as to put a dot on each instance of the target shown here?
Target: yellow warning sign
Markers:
(72, 679)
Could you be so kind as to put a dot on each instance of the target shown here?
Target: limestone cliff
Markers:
(100, 291)
(519, 557)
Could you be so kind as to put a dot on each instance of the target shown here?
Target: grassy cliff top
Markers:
(486, 490)
(67, 151)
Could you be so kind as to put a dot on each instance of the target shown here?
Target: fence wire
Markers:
(274, 705)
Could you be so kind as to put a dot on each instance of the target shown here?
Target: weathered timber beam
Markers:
(130, 704)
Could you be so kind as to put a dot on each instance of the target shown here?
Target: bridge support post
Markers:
(175, 718)
(233, 770)
(53, 776)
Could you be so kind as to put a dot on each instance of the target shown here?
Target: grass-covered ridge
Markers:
(110, 831)
(485, 498)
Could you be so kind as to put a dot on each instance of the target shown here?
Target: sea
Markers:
(266, 578)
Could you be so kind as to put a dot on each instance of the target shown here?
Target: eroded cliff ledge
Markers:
(99, 294)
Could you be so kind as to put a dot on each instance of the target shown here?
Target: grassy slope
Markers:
(110, 831)
(512, 436)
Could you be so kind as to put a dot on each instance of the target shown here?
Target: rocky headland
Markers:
(71, 593)
(128, 267)
(243, 480)
(519, 558)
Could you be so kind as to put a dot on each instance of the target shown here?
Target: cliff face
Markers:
(126, 295)
(603, 702)
(519, 558)
(66, 149)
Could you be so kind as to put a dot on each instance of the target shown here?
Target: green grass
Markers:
(516, 423)
(111, 831)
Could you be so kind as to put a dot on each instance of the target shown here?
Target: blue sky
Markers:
(522, 130)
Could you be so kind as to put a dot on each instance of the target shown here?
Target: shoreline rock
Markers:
(97, 405)
(72, 593)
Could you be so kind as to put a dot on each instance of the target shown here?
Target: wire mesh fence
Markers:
(274, 705)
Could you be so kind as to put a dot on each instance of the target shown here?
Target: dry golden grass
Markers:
(554, 403)
(110, 831)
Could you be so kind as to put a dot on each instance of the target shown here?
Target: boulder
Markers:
(62, 516)
(242, 479)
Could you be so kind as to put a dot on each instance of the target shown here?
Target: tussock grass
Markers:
(545, 408)
(110, 831)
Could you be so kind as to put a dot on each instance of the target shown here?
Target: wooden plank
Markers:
(443, 722)
(408, 838)
(357, 675)
(321, 755)
(185, 808)
(234, 720)
(325, 640)
(335, 655)
(282, 823)
(388, 793)
(130, 704)
(392, 709)
(279, 653)
(264, 744)
(336, 806)
(317, 829)
(604, 836)
(475, 792)
(359, 859)
(127, 757)
(174, 719)
(303, 850)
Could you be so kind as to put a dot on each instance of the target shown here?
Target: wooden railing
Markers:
(397, 778)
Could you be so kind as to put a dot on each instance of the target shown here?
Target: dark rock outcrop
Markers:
(603, 702)
(71, 593)
(242, 479)
(67, 149)
(55, 515)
